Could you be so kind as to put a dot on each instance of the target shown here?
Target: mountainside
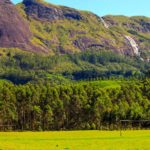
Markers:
(65, 69)
(35, 25)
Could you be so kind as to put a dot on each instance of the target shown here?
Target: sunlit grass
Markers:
(75, 140)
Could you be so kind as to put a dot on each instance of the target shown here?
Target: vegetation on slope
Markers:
(58, 92)
(21, 67)
(89, 86)
(70, 31)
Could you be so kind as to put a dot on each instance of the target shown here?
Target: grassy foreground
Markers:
(75, 140)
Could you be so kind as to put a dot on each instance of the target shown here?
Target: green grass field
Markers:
(75, 140)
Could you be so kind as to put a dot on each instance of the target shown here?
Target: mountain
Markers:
(35, 25)
(65, 69)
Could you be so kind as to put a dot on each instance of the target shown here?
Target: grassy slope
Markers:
(105, 84)
(76, 140)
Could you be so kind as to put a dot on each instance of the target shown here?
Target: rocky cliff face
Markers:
(43, 27)
(14, 31)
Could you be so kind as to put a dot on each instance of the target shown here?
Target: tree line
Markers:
(46, 106)
(21, 68)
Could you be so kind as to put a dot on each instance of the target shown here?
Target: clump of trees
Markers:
(46, 106)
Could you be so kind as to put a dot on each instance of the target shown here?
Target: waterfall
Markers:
(104, 23)
(134, 45)
(148, 59)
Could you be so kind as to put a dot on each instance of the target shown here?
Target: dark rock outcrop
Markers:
(71, 14)
(145, 25)
(38, 10)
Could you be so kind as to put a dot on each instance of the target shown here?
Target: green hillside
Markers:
(21, 67)
(84, 30)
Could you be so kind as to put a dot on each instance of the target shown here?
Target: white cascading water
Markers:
(134, 45)
(104, 23)
(148, 60)
(132, 42)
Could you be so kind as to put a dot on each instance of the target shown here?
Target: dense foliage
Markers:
(89, 90)
(23, 67)
(82, 105)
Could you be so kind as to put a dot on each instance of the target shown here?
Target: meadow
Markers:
(76, 140)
